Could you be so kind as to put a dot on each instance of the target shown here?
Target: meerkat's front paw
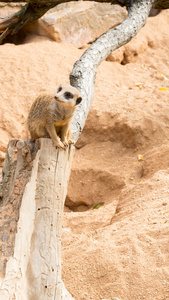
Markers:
(71, 142)
(60, 145)
(65, 143)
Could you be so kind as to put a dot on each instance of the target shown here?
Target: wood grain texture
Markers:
(33, 268)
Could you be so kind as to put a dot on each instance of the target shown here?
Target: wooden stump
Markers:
(33, 192)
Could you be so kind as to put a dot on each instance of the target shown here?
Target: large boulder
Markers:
(80, 22)
(76, 22)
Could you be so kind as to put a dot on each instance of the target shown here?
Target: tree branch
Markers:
(29, 13)
(84, 71)
(161, 4)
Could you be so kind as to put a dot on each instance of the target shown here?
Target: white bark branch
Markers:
(84, 71)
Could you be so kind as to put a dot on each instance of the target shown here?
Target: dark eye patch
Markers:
(68, 95)
(59, 89)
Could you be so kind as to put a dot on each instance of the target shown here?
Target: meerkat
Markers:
(50, 116)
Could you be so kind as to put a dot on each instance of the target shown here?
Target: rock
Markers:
(10, 8)
(78, 22)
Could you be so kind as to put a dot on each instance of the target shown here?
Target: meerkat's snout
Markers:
(56, 94)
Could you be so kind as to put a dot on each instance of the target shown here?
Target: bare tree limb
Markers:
(29, 13)
(84, 71)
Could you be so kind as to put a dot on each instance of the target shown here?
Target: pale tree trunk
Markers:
(35, 185)
(32, 210)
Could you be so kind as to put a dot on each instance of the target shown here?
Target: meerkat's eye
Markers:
(59, 89)
(68, 95)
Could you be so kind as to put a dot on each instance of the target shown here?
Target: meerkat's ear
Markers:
(78, 100)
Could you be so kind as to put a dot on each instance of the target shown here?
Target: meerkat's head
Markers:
(67, 95)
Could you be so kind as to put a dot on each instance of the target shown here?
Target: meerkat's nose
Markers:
(56, 97)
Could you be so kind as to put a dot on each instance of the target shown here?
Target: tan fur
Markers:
(50, 116)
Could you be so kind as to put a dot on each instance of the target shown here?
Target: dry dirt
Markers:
(122, 160)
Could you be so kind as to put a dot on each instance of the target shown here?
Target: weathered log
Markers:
(34, 189)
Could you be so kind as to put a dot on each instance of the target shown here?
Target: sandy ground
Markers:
(120, 249)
